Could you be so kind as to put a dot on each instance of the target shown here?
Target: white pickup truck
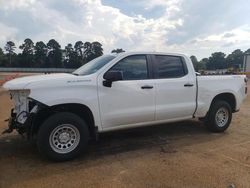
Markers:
(63, 111)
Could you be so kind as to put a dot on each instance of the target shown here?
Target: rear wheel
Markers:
(219, 116)
(62, 136)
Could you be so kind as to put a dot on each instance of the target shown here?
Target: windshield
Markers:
(94, 65)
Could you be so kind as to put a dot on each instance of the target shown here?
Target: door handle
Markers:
(147, 87)
(188, 85)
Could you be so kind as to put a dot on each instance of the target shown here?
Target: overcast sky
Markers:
(191, 26)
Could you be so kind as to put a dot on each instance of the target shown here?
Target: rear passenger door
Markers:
(175, 88)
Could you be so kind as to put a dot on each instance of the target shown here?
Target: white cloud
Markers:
(108, 25)
(13, 4)
(172, 4)
(237, 38)
(179, 28)
(6, 33)
(132, 32)
(241, 34)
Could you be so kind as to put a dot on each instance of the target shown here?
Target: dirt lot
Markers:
(173, 155)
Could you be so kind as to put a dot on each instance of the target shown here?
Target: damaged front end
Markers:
(23, 112)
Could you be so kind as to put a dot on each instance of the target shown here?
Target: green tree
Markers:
(79, 49)
(204, 60)
(195, 63)
(54, 54)
(235, 59)
(79, 46)
(198, 65)
(118, 50)
(3, 59)
(203, 64)
(1, 56)
(27, 56)
(71, 58)
(92, 50)
(10, 49)
(97, 49)
(40, 54)
(87, 51)
(217, 61)
(27, 46)
(247, 51)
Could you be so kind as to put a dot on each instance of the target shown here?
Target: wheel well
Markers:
(228, 97)
(81, 110)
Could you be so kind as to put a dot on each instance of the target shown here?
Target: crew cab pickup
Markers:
(63, 111)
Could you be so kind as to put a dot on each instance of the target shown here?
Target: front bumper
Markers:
(14, 124)
(11, 125)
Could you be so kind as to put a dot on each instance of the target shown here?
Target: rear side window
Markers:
(170, 66)
(132, 67)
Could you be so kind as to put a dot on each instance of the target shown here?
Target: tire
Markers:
(63, 136)
(219, 116)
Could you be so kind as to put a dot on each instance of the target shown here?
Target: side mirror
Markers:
(111, 76)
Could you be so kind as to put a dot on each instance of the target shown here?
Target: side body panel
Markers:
(77, 89)
(211, 86)
(126, 103)
(173, 99)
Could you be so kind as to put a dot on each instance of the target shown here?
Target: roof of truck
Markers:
(148, 52)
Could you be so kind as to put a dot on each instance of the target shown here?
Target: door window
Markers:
(132, 67)
(170, 66)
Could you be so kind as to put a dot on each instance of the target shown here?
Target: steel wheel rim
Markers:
(221, 117)
(64, 138)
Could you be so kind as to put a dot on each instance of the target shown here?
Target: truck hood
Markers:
(22, 83)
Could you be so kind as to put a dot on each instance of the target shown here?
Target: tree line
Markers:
(219, 60)
(51, 55)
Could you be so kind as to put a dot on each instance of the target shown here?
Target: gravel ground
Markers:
(181, 154)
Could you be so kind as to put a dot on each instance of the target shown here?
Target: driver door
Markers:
(131, 100)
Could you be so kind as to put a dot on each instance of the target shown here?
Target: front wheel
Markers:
(62, 136)
(219, 116)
